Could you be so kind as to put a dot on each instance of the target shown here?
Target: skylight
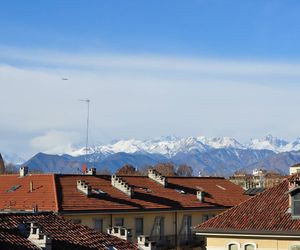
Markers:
(13, 188)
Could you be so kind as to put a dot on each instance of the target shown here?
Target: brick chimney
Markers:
(120, 184)
(157, 177)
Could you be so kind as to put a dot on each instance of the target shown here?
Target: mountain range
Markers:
(208, 155)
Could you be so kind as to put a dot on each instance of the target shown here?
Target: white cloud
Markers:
(141, 96)
(54, 142)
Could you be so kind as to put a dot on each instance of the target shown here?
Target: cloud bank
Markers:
(140, 96)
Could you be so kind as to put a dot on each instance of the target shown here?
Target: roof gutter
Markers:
(253, 234)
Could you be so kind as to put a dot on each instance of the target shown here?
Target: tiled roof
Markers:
(64, 234)
(265, 212)
(148, 194)
(15, 192)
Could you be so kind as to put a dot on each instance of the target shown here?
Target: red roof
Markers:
(15, 192)
(147, 193)
(59, 193)
(64, 234)
(265, 212)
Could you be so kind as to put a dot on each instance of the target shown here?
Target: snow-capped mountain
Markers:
(209, 155)
(221, 142)
(170, 146)
(275, 144)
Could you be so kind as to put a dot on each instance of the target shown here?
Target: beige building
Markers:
(268, 221)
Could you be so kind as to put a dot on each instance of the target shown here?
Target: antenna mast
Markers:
(87, 126)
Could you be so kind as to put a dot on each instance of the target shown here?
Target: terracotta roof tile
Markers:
(147, 193)
(65, 235)
(15, 192)
(265, 212)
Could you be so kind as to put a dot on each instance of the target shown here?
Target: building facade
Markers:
(163, 209)
(268, 221)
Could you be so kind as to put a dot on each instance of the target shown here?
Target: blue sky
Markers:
(151, 68)
(235, 29)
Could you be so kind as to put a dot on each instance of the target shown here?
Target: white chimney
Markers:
(120, 184)
(295, 169)
(84, 187)
(200, 195)
(37, 237)
(90, 171)
(120, 232)
(145, 244)
(23, 171)
(157, 177)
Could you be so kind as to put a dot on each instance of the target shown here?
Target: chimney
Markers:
(200, 195)
(157, 177)
(84, 187)
(120, 184)
(145, 244)
(23, 171)
(30, 186)
(120, 232)
(90, 171)
(37, 237)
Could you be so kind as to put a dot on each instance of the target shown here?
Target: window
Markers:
(186, 226)
(296, 204)
(295, 247)
(206, 217)
(139, 226)
(98, 224)
(119, 222)
(249, 247)
(233, 247)
(158, 227)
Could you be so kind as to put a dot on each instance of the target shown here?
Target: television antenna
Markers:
(87, 101)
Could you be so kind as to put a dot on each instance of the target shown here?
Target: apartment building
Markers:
(161, 209)
(267, 221)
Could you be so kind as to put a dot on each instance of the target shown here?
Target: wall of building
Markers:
(148, 217)
(219, 243)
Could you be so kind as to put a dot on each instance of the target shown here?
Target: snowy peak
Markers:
(171, 145)
(269, 142)
(221, 142)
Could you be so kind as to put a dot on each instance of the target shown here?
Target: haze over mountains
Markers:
(210, 156)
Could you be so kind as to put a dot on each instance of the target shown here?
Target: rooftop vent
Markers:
(23, 171)
(157, 177)
(84, 187)
(120, 184)
(90, 171)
